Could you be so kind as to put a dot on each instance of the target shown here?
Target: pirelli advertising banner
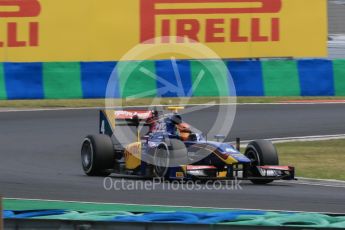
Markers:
(102, 30)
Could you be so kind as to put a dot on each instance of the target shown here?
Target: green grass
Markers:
(315, 159)
(147, 101)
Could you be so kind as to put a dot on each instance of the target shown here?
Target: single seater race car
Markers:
(169, 148)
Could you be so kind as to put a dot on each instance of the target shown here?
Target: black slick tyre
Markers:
(97, 155)
(261, 152)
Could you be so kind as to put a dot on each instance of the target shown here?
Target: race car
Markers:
(166, 147)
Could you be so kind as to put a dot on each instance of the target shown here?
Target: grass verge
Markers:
(147, 101)
(315, 159)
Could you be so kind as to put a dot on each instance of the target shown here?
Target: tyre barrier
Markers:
(235, 218)
(69, 80)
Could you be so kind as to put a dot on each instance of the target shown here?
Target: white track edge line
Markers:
(312, 184)
(91, 108)
(325, 180)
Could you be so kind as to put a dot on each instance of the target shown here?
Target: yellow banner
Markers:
(105, 30)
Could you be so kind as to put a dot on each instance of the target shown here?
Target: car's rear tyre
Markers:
(172, 153)
(261, 152)
(97, 155)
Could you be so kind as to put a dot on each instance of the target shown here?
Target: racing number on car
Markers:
(102, 127)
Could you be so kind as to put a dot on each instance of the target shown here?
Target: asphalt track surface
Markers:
(40, 158)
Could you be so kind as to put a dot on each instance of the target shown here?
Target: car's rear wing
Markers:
(132, 117)
(109, 119)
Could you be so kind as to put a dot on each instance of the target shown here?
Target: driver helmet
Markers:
(184, 130)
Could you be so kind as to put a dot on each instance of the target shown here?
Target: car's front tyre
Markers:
(161, 162)
(261, 152)
(172, 153)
